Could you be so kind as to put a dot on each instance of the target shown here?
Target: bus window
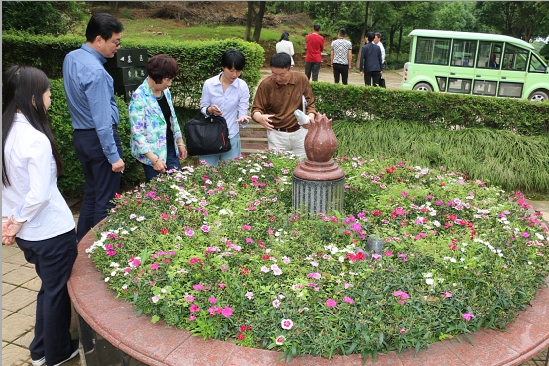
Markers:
(463, 53)
(536, 65)
(432, 51)
(515, 58)
(489, 55)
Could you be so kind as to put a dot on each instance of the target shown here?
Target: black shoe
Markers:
(37, 360)
(74, 351)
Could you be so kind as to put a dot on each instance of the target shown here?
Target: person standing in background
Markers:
(341, 56)
(370, 61)
(284, 45)
(377, 40)
(90, 98)
(313, 57)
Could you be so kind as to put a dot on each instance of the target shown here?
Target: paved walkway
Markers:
(20, 285)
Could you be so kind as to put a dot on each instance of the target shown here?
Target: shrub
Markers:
(438, 109)
(220, 252)
(198, 60)
(71, 183)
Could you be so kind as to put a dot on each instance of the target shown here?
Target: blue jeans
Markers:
(102, 184)
(213, 159)
(53, 259)
(172, 162)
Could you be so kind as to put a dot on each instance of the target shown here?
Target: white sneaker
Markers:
(38, 362)
(74, 347)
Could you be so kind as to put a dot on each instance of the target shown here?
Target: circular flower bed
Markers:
(220, 252)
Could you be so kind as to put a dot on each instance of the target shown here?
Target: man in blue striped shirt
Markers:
(90, 98)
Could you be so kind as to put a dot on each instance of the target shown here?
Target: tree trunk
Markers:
(363, 36)
(259, 21)
(249, 20)
(114, 7)
(399, 42)
(391, 40)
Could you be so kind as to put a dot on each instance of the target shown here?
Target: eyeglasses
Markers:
(117, 44)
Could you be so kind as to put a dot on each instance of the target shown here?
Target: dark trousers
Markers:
(342, 70)
(172, 162)
(314, 67)
(368, 76)
(53, 259)
(101, 182)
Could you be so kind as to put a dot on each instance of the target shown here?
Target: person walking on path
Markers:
(377, 40)
(341, 54)
(38, 218)
(284, 45)
(313, 57)
(275, 102)
(370, 61)
(90, 99)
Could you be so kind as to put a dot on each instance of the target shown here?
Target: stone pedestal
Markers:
(318, 182)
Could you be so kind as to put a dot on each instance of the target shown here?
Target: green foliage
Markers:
(499, 157)
(438, 109)
(544, 51)
(42, 17)
(221, 252)
(71, 183)
(198, 60)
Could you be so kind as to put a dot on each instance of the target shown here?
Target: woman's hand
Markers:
(244, 119)
(9, 231)
(182, 151)
(214, 109)
(159, 165)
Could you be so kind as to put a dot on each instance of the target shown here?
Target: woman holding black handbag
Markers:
(229, 96)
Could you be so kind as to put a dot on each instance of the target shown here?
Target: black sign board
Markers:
(128, 58)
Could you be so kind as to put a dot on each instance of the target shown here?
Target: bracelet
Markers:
(16, 223)
(156, 161)
(178, 144)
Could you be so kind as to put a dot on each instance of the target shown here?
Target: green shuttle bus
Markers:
(475, 63)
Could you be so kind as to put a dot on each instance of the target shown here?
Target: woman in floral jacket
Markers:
(154, 127)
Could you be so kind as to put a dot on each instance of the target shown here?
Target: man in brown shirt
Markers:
(275, 101)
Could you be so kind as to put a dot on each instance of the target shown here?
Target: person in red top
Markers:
(315, 45)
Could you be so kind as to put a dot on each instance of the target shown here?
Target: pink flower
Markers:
(198, 287)
(348, 299)
(227, 312)
(205, 228)
(314, 275)
(331, 303)
(265, 269)
(467, 316)
(246, 227)
(249, 295)
(280, 340)
(525, 235)
(154, 266)
(287, 324)
(276, 303)
(194, 308)
(155, 299)
(110, 253)
(222, 285)
(194, 260)
(224, 268)
(402, 331)
(241, 336)
(277, 271)
(192, 317)
(447, 294)
(388, 253)
(136, 262)
(248, 240)
(314, 264)
(452, 246)
(402, 296)
(212, 300)
(189, 232)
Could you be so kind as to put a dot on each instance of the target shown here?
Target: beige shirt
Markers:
(283, 100)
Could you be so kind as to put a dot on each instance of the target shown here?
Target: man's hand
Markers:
(264, 120)
(182, 152)
(118, 166)
(361, 73)
(311, 120)
(243, 119)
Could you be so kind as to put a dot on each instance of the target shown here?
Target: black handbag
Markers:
(382, 82)
(207, 135)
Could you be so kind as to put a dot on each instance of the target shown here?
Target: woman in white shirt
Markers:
(38, 218)
(284, 45)
(227, 95)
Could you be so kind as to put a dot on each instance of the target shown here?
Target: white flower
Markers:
(341, 259)
(107, 279)
(286, 324)
(429, 281)
(280, 340)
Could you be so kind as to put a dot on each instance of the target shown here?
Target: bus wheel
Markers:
(423, 87)
(538, 96)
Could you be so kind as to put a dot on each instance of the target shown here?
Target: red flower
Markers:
(245, 328)
(393, 168)
(442, 184)
(164, 231)
(117, 196)
(244, 185)
(245, 271)
(265, 257)
(241, 336)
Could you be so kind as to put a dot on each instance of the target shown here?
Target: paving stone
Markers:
(4, 344)
(20, 276)
(18, 299)
(33, 284)
(8, 267)
(29, 310)
(29, 265)
(9, 250)
(6, 313)
(17, 258)
(15, 326)
(25, 340)
(6, 287)
(13, 355)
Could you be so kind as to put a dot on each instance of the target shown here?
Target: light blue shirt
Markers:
(234, 102)
(90, 96)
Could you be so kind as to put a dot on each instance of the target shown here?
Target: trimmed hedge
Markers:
(439, 109)
(71, 183)
(198, 60)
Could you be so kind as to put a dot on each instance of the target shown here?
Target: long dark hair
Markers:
(20, 85)
(284, 37)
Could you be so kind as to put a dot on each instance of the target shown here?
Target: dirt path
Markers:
(392, 77)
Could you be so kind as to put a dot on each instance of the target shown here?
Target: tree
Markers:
(258, 20)
(545, 51)
(525, 20)
(42, 17)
